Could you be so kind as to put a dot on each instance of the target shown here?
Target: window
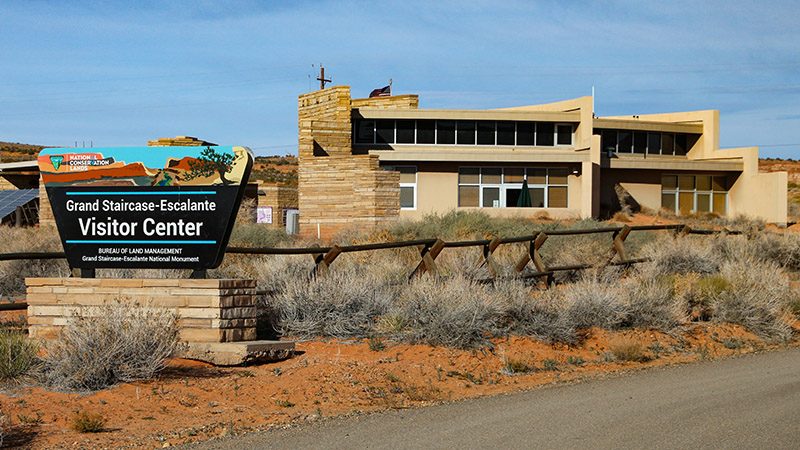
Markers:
(545, 134)
(494, 187)
(405, 132)
(365, 132)
(525, 133)
(667, 144)
(408, 185)
(625, 143)
(505, 133)
(469, 180)
(640, 142)
(608, 141)
(654, 143)
(445, 132)
(466, 132)
(384, 131)
(645, 142)
(688, 194)
(564, 134)
(680, 144)
(426, 132)
(485, 133)
(469, 132)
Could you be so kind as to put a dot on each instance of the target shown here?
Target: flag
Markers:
(381, 92)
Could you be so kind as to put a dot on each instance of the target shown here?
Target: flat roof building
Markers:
(367, 161)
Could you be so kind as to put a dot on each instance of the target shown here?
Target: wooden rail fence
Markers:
(430, 249)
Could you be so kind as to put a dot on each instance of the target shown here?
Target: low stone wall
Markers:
(209, 311)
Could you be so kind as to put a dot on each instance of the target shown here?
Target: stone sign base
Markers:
(216, 318)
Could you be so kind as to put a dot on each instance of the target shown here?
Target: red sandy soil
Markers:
(181, 164)
(126, 171)
(193, 401)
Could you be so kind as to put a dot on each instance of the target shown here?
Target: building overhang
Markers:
(647, 125)
(466, 114)
(486, 154)
(682, 164)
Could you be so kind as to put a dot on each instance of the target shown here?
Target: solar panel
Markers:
(9, 200)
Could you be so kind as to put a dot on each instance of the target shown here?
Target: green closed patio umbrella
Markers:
(524, 200)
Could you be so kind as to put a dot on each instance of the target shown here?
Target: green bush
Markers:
(18, 356)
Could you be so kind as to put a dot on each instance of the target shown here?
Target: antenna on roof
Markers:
(321, 77)
(593, 115)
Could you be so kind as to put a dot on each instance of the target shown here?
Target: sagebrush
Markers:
(105, 345)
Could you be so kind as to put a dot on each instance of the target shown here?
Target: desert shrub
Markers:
(455, 312)
(757, 297)
(679, 255)
(782, 249)
(86, 422)
(514, 366)
(18, 356)
(594, 303)
(13, 273)
(700, 295)
(593, 249)
(651, 302)
(625, 350)
(794, 305)
(543, 316)
(342, 304)
(109, 344)
(246, 234)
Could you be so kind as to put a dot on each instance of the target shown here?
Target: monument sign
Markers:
(145, 207)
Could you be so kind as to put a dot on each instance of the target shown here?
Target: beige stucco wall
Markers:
(753, 194)
(758, 195)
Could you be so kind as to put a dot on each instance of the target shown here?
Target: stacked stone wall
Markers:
(208, 310)
(338, 189)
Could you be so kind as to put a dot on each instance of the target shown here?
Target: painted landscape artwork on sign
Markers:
(143, 166)
(145, 207)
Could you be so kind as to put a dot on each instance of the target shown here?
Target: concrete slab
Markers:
(238, 353)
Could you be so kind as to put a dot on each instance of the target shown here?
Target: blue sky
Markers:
(120, 73)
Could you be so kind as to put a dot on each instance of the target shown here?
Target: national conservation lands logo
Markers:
(56, 161)
(145, 207)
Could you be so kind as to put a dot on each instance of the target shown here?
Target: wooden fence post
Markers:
(618, 246)
(533, 255)
(488, 259)
(428, 263)
(324, 261)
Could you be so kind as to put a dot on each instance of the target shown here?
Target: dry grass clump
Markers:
(542, 316)
(18, 356)
(625, 350)
(514, 366)
(13, 273)
(110, 344)
(595, 303)
(454, 312)
(651, 302)
(86, 422)
(342, 304)
(757, 297)
(246, 234)
(683, 254)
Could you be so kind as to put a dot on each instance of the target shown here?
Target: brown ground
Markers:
(192, 401)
